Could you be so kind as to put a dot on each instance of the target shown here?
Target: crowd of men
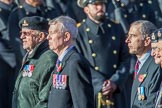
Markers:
(80, 54)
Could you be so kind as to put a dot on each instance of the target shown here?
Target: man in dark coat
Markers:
(147, 75)
(101, 41)
(28, 8)
(7, 56)
(72, 82)
(33, 82)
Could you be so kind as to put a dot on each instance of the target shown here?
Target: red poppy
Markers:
(141, 77)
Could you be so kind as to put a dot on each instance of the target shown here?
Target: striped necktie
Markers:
(136, 68)
(58, 65)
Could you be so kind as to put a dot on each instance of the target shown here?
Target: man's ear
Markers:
(147, 41)
(86, 10)
(42, 36)
(67, 36)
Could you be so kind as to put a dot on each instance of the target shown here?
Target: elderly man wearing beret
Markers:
(157, 54)
(33, 84)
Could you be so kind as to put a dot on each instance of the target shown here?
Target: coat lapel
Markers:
(67, 56)
(142, 71)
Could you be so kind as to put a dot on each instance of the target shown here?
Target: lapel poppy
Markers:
(141, 77)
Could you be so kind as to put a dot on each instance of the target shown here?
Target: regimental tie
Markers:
(58, 65)
(136, 69)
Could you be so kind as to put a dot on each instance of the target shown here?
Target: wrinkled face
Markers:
(154, 52)
(159, 51)
(30, 38)
(96, 11)
(135, 40)
(55, 37)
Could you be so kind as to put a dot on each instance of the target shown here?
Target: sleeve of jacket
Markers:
(153, 88)
(14, 35)
(80, 84)
(46, 68)
(3, 25)
(13, 28)
(123, 65)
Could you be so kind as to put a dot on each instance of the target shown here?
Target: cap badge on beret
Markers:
(25, 23)
(159, 34)
(153, 36)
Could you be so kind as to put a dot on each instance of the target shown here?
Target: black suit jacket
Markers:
(151, 84)
(79, 91)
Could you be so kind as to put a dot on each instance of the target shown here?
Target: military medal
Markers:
(28, 70)
(141, 94)
(29, 74)
(31, 69)
(25, 71)
(54, 80)
(64, 81)
(59, 81)
(24, 74)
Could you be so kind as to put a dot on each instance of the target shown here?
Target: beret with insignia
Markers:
(83, 3)
(34, 23)
(156, 35)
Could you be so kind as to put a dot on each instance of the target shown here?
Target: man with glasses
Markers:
(33, 85)
(28, 8)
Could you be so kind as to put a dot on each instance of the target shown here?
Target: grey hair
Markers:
(68, 25)
(146, 27)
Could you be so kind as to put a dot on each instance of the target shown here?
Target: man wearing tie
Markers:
(72, 82)
(147, 73)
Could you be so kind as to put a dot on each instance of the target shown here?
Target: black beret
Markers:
(83, 3)
(156, 35)
(34, 23)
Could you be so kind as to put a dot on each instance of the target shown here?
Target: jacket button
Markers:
(114, 52)
(114, 66)
(122, 4)
(150, 2)
(27, 13)
(48, 19)
(87, 29)
(109, 25)
(125, 15)
(93, 54)
(143, 16)
(96, 68)
(113, 38)
(141, 4)
(90, 41)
